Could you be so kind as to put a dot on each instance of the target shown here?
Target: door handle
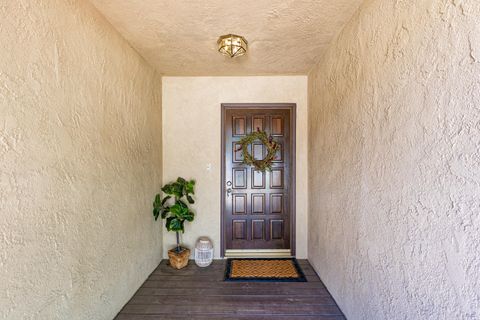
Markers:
(229, 190)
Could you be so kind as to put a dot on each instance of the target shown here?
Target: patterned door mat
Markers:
(284, 270)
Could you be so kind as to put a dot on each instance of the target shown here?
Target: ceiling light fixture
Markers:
(232, 45)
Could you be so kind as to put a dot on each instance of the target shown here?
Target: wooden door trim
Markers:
(292, 107)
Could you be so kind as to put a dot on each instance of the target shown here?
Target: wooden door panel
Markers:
(236, 156)
(276, 227)
(259, 151)
(277, 128)
(278, 155)
(239, 178)
(257, 211)
(276, 178)
(239, 126)
(258, 179)
(258, 123)
(276, 203)
(258, 229)
(258, 203)
(239, 230)
(239, 203)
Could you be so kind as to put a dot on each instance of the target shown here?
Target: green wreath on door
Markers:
(272, 148)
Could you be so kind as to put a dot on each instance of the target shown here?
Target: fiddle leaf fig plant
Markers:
(174, 206)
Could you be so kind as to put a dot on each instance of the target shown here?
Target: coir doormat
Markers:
(260, 269)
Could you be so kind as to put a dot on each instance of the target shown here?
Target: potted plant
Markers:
(174, 207)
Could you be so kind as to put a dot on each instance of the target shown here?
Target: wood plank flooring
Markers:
(201, 293)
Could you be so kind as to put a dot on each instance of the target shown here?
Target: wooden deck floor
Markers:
(201, 293)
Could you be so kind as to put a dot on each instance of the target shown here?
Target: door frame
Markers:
(292, 107)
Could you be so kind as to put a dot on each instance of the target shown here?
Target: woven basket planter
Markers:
(179, 260)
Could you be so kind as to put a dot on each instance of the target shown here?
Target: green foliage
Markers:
(173, 207)
(272, 148)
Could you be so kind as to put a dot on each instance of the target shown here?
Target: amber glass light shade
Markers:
(232, 45)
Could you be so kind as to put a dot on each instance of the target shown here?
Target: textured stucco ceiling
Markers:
(179, 37)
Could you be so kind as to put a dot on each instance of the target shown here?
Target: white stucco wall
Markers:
(192, 140)
(80, 162)
(394, 162)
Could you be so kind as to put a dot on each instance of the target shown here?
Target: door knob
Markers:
(229, 190)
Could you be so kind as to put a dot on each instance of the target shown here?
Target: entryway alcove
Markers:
(365, 203)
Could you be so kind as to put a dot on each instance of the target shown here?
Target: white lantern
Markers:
(203, 252)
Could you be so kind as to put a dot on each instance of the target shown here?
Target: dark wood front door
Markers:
(258, 207)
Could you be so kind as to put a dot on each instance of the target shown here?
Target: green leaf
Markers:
(190, 199)
(168, 189)
(190, 216)
(178, 190)
(165, 211)
(176, 209)
(179, 210)
(189, 187)
(156, 212)
(181, 180)
(168, 222)
(157, 200)
(166, 199)
(174, 224)
(182, 204)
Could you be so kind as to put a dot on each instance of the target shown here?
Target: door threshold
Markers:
(258, 253)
